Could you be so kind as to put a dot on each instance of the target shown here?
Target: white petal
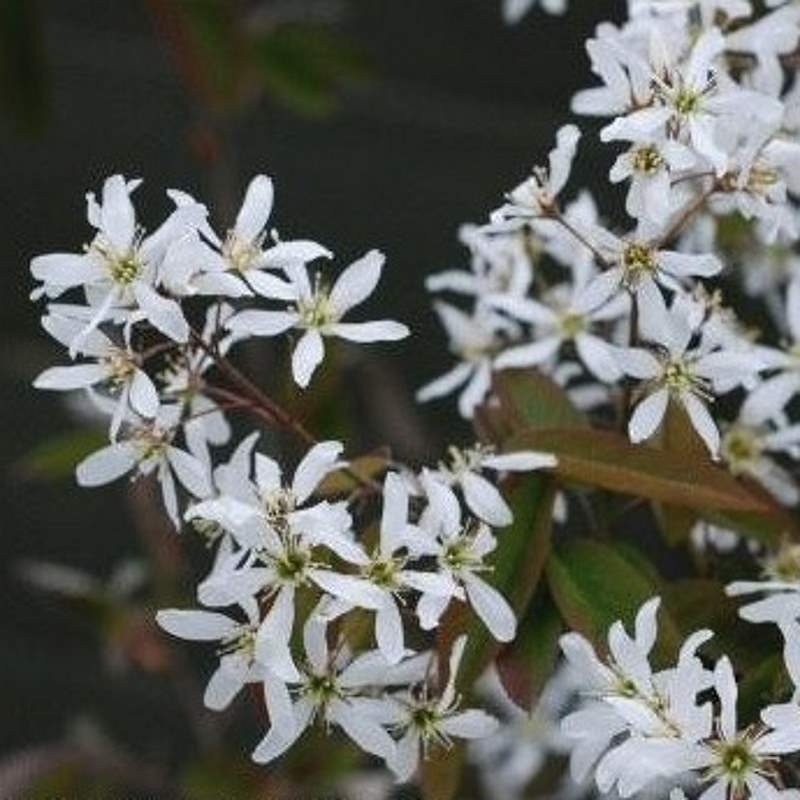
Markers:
(384, 330)
(316, 464)
(68, 378)
(143, 395)
(445, 384)
(648, 415)
(262, 323)
(486, 501)
(529, 355)
(472, 724)
(389, 631)
(354, 590)
(272, 639)
(191, 472)
(196, 626)
(702, 421)
(162, 313)
(106, 465)
(256, 208)
(307, 356)
(226, 682)
(366, 733)
(523, 461)
(357, 282)
(492, 608)
(118, 219)
(270, 286)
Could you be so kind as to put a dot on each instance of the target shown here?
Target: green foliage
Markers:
(24, 89)
(55, 458)
(608, 460)
(593, 585)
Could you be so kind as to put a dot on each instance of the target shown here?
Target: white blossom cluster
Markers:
(638, 724)
(280, 544)
(702, 112)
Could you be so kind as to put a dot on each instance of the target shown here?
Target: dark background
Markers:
(455, 110)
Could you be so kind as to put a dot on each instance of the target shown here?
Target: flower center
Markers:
(678, 375)
(740, 447)
(316, 311)
(647, 159)
(382, 571)
(571, 324)
(687, 100)
(291, 565)
(239, 254)
(242, 641)
(638, 260)
(119, 368)
(785, 564)
(150, 442)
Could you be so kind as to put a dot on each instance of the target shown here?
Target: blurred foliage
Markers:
(56, 457)
(24, 85)
(229, 54)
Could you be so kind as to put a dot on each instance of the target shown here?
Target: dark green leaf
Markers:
(593, 586)
(609, 461)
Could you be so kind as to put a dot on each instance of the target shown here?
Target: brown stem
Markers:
(685, 216)
(263, 406)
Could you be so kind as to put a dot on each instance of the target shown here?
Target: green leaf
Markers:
(698, 603)
(609, 461)
(593, 586)
(56, 458)
(767, 683)
(532, 400)
(518, 564)
(303, 66)
(528, 662)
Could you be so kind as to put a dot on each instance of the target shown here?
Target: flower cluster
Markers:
(282, 547)
(329, 580)
(639, 724)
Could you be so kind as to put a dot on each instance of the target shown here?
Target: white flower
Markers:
(691, 101)
(499, 263)
(474, 341)
(738, 761)
(509, 759)
(318, 312)
(537, 195)
(781, 587)
(423, 721)
(146, 447)
(120, 267)
(650, 164)
(751, 449)
(460, 552)
(237, 264)
(334, 689)
(463, 468)
(278, 535)
(639, 265)
(626, 77)
(388, 569)
(690, 377)
(567, 314)
(115, 368)
(237, 664)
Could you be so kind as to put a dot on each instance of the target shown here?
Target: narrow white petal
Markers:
(307, 356)
(197, 626)
(106, 465)
(492, 608)
(648, 415)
